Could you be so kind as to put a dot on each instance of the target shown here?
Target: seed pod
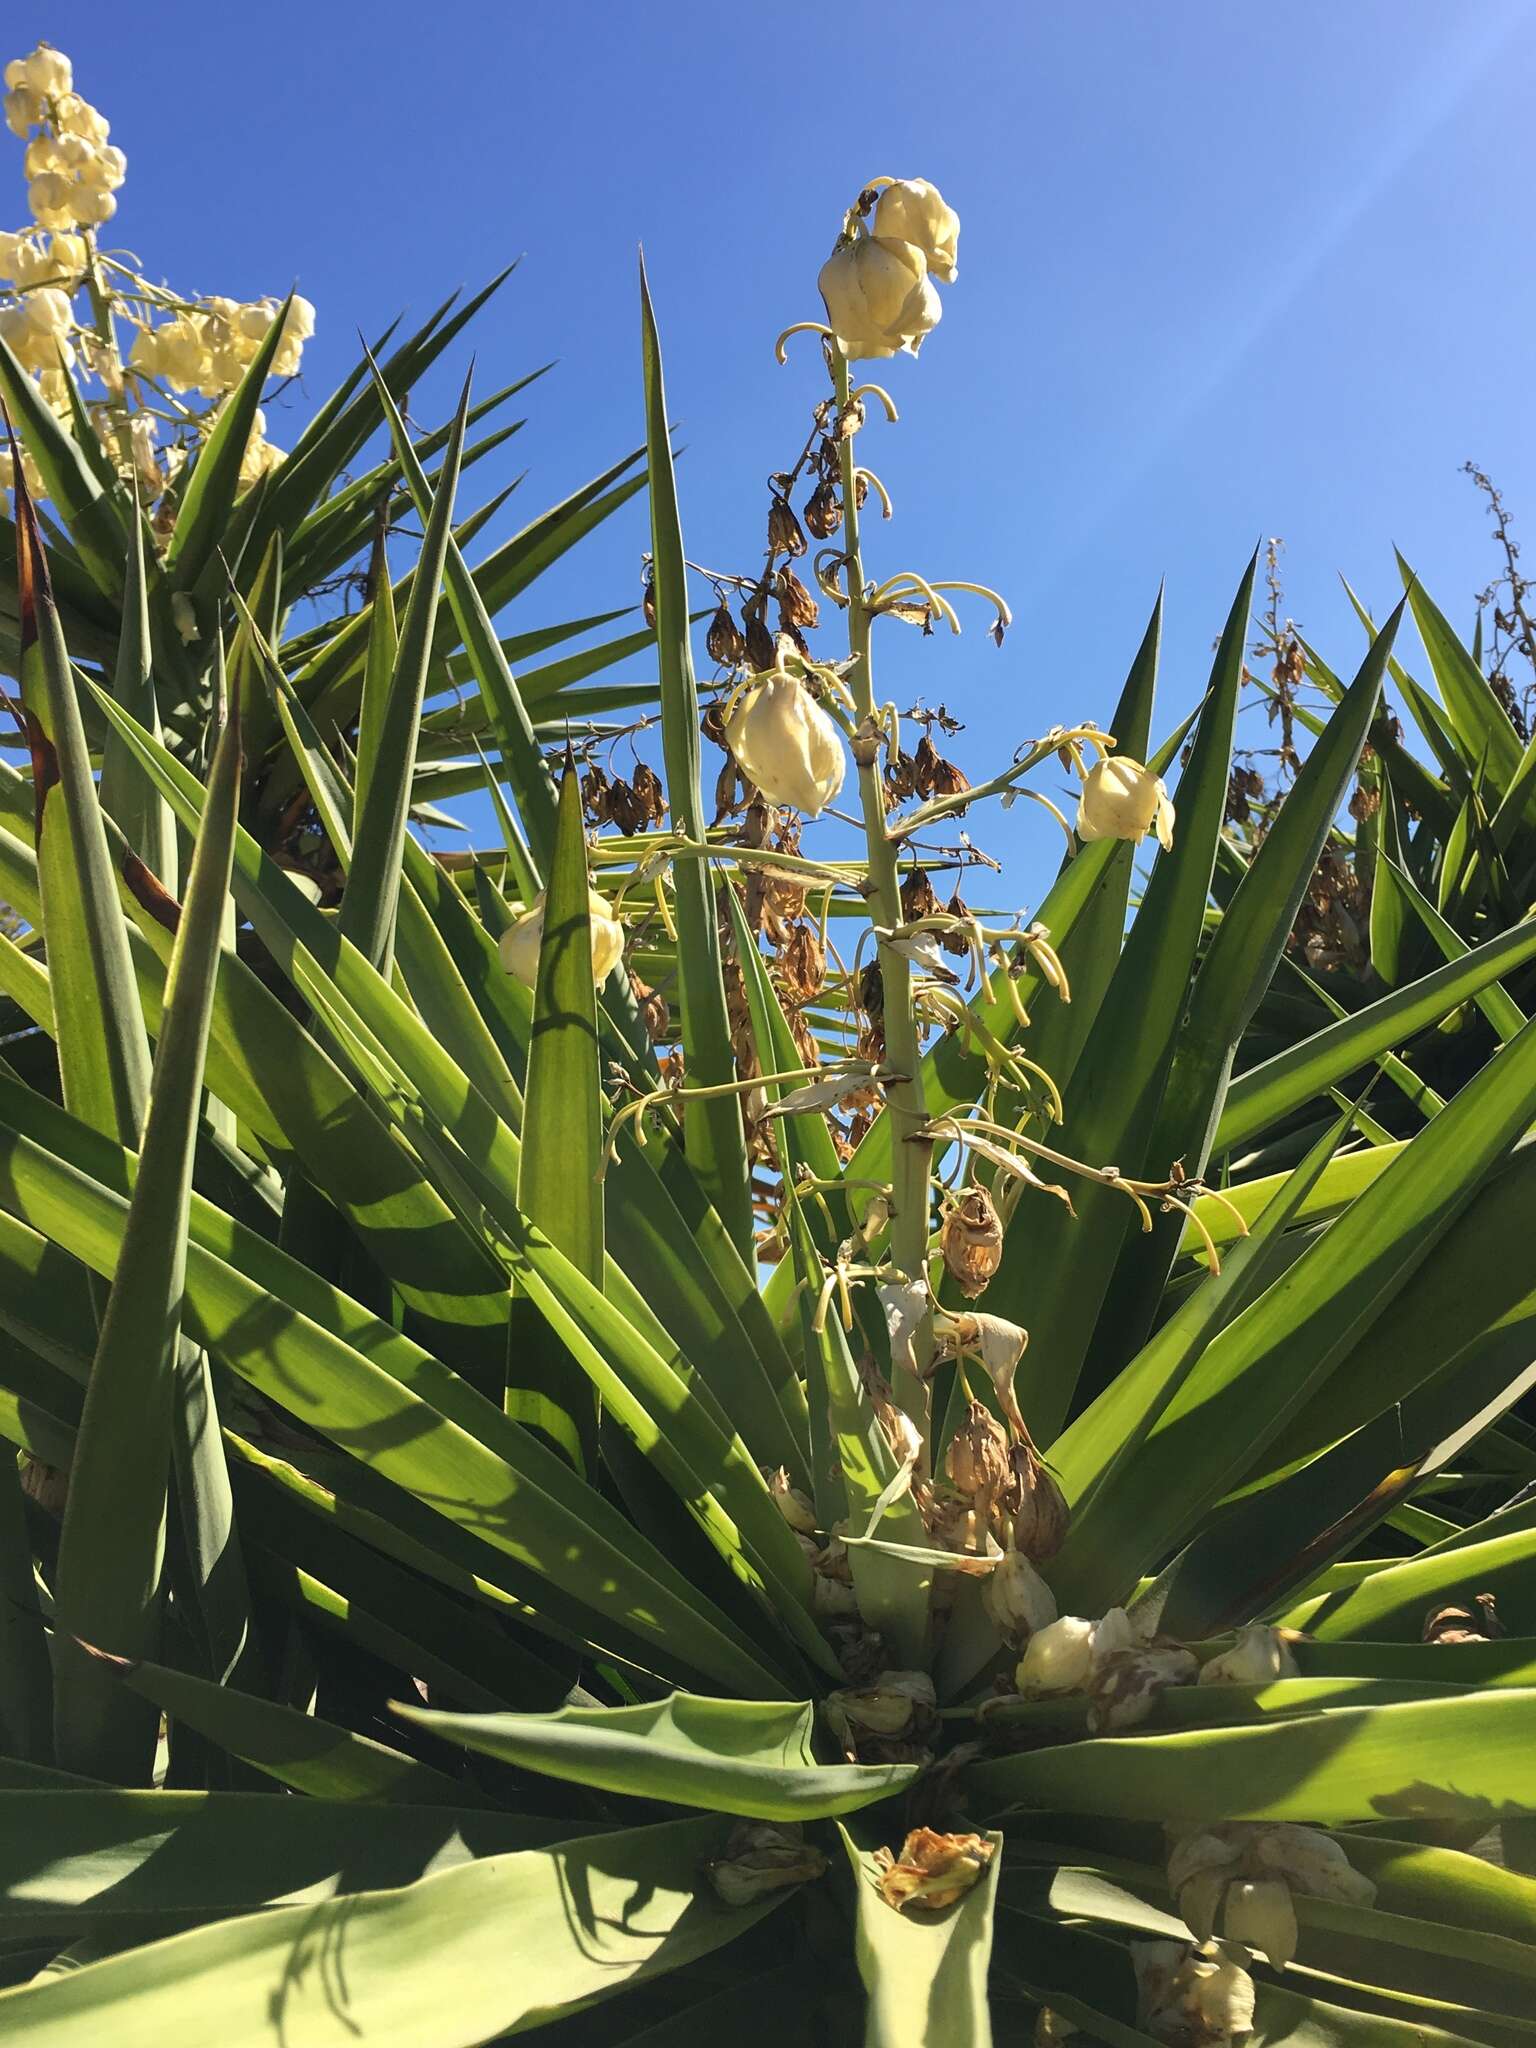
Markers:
(1040, 1512)
(784, 534)
(797, 607)
(723, 641)
(972, 1242)
(823, 511)
(759, 641)
(647, 787)
(917, 897)
(976, 1461)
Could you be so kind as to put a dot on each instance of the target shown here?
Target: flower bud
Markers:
(972, 1242)
(1123, 800)
(1260, 1915)
(797, 607)
(878, 296)
(796, 1507)
(976, 1461)
(1258, 1657)
(1189, 1997)
(933, 1870)
(913, 211)
(519, 943)
(823, 511)
(763, 1856)
(723, 641)
(784, 535)
(1017, 1600)
(785, 743)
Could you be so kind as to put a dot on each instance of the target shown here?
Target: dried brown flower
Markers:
(972, 1242)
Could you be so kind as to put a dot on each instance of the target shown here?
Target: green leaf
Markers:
(26, 1683)
(1455, 1759)
(731, 1756)
(419, 1967)
(1482, 723)
(384, 791)
(96, 522)
(108, 1586)
(716, 1146)
(213, 483)
(558, 1186)
(127, 794)
(925, 1973)
(1272, 1090)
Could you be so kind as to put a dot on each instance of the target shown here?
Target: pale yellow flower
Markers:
(914, 211)
(785, 743)
(1123, 800)
(878, 296)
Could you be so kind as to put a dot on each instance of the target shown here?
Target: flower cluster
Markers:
(878, 281)
(179, 345)
(73, 172)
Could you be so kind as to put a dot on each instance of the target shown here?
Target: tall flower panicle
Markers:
(179, 347)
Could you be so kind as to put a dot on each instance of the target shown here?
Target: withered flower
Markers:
(955, 941)
(1040, 1512)
(759, 641)
(594, 795)
(763, 1856)
(933, 1870)
(972, 1242)
(976, 1460)
(900, 779)
(784, 533)
(646, 784)
(625, 807)
(724, 642)
(654, 1013)
(802, 965)
(797, 607)
(712, 724)
(823, 511)
(648, 600)
(872, 990)
(917, 897)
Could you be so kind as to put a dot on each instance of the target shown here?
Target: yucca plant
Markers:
(450, 1581)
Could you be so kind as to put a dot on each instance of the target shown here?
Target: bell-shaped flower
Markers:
(1258, 1657)
(1057, 1658)
(1018, 1602)
(1259, 1913)
(879, 297)
(784, 742)
(519, 943)
(913, 211)
(1190, 1998)
(46, 71)
(1123, 800)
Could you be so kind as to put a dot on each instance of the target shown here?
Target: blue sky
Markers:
(1224, 272)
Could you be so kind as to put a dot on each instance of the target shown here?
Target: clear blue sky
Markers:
(1225, 271)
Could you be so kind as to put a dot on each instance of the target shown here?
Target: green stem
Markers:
(905, 1102)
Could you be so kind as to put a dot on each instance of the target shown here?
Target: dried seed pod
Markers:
(647, 787)
(972, 1242)
(654, 1012)
(976, 1461)
(723, 641)
(917, 897)
(759, 641)
(823, 511)
(1040, 1511)
(784, 532)
(797, 607)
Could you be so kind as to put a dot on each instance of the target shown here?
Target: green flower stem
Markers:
(911, 1150)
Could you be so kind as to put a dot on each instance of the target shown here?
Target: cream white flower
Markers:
(1123, 800)
(184, 617)
(1191, 1998)
(879, 297)
(91, 206)
(913, 211)
(1058, 1658)
(48, 198)
(519, 944)
(75, 116)
(48, 310)
(32, 475)
(46, 71)
(1258, 1657)
(1018, 1602)
(785, 743)
(22, 109)
(1259, 1913)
